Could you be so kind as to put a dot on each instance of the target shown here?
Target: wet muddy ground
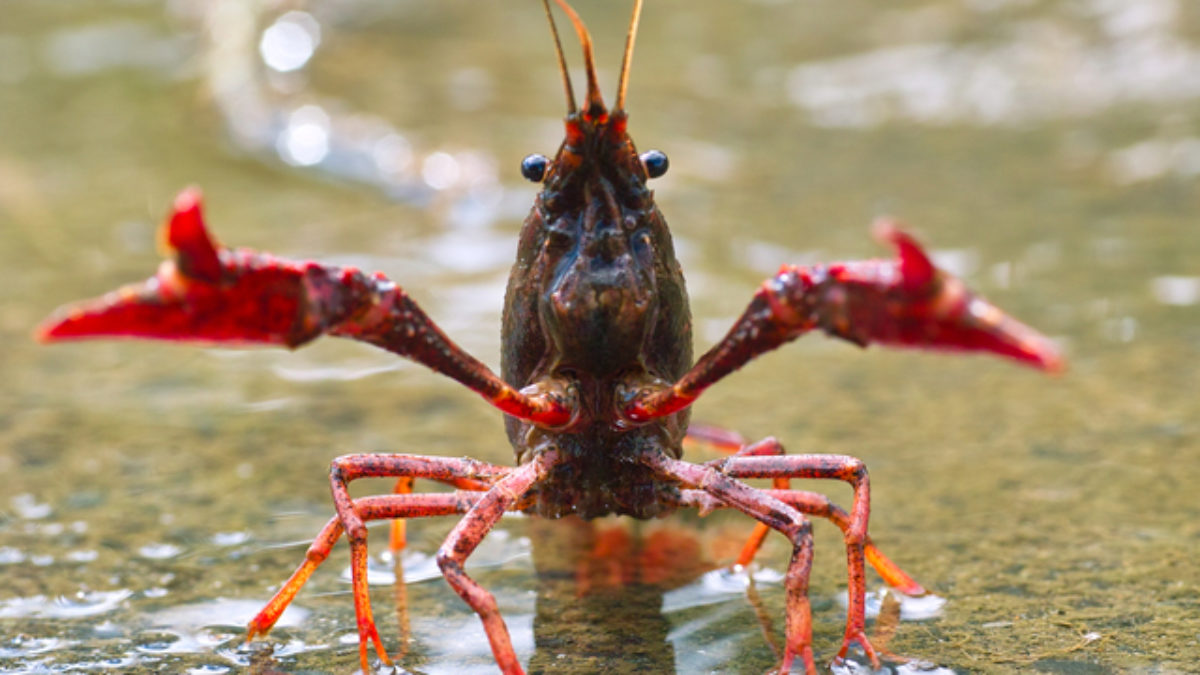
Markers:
(153, 496)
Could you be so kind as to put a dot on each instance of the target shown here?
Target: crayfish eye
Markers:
(656, 162)
(533, 167)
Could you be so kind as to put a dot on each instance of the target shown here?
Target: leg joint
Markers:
(448, 564)
(356, 532)
(800, 532)
(857, 470)
(339, 467)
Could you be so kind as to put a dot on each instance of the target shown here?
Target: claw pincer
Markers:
(207, 293)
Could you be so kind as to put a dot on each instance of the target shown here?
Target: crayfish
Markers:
(597, 373)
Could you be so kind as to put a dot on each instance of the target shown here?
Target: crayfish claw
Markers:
(186, 237)
(916, 269)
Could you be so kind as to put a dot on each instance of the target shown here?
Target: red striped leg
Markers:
(732, 442)
(779, 516)
(351, 467)
(817, 504)
(811, 503)
(838, 467)
(398, 534)
(814, 504)
(368, 508)
(466, 536)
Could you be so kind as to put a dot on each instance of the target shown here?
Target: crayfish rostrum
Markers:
(597, 371)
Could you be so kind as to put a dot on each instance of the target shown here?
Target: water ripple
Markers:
(1049, 68)
(83, 604)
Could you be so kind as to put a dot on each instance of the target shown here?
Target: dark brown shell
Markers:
(596, 298)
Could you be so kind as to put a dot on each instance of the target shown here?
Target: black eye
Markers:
(656, 163)
(533, 167)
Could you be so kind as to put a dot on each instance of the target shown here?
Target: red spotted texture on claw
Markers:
(203, 293)
(927, 308)
(916, 269)
(206, 293)
(197, 253)
(906, 302)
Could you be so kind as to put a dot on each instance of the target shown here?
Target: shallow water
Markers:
(155, 495)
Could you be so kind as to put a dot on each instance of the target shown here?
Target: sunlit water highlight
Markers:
(158, 496)
(126, 637)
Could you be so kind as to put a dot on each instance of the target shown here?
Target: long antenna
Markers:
(562, 61)
(623, 83)
(593, 95)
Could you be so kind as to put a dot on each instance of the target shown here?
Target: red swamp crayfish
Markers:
(597, 374)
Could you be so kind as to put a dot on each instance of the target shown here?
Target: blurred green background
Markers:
(154, 495)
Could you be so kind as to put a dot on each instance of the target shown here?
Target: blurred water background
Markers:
(154, 495)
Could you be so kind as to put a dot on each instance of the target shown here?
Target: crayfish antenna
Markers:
(623, 82)
(595, 102)
(562, 60)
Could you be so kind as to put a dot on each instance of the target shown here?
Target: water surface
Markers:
(155, 495)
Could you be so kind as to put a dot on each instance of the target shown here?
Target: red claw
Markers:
(188, 238)
(956, 317)
(916, 269)
(982, 326)
(204, 293)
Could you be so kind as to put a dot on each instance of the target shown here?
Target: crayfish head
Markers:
(602, 248)
(596, 289)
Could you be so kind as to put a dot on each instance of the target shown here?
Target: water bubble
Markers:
(28, 507)
(82, 605)
(24, 646)
(209, 669)
(230, 538)
(290, 42)
(440, 170)
(10, 555)
(156, 643)
(159, 551)
(82, 556)
(1176, 290)
(234, 614)
(719, 585)
(912, 607)
(106, 630)
(305, 140)
(392, 154)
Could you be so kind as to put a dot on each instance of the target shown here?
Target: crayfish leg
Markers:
(730, 441)
(466, 537)
(398, 533)
(761, 506)
(317, 553)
